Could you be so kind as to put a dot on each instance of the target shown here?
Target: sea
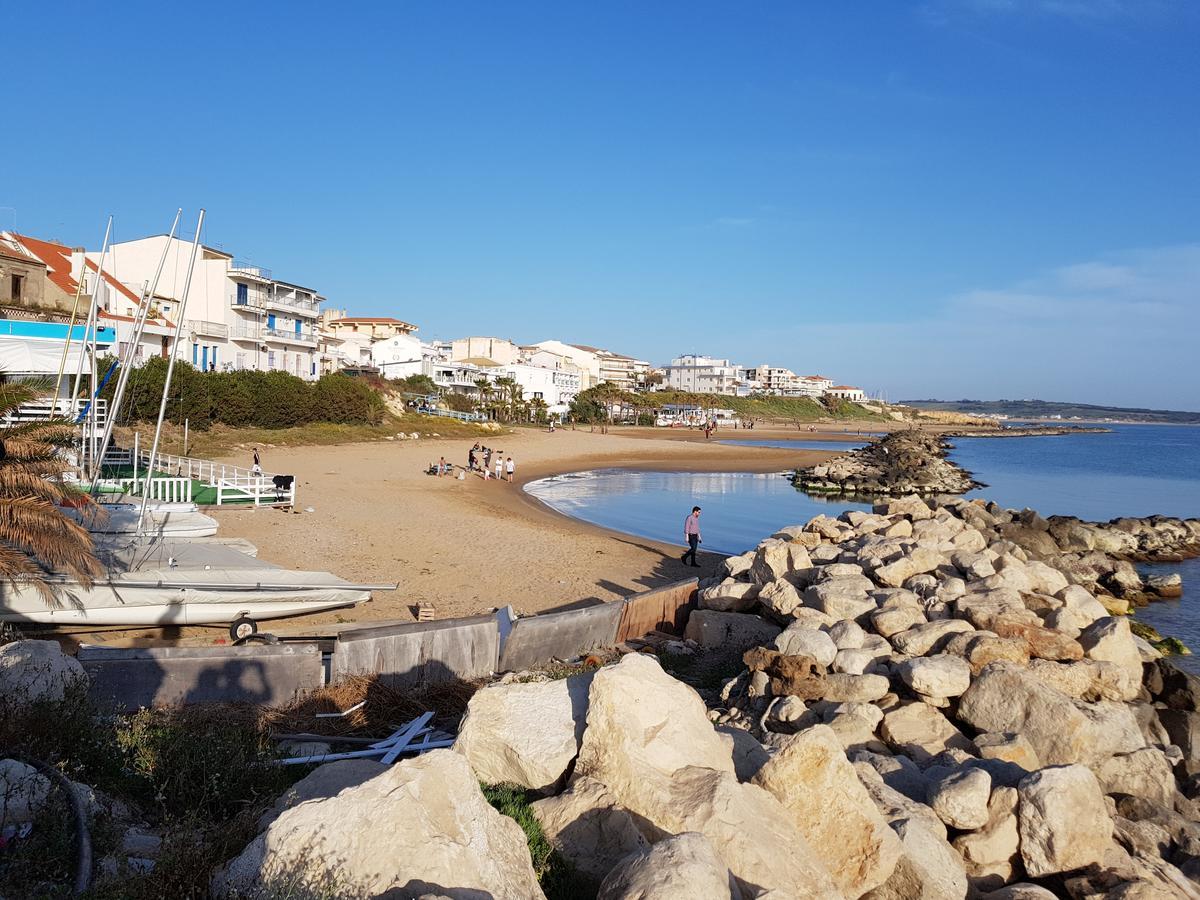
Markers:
(1132, 470)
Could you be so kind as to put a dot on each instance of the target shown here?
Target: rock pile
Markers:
(903, 462)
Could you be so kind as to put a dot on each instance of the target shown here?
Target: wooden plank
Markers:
(169, 676)
(420, 652)
(664, 609)
(562, 635)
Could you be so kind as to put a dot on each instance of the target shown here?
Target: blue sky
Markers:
(950, 198)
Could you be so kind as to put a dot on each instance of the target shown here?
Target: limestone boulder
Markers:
(928, 868)
(1012, 748)
(729, 631)
(1063, 821)
(918, 562)
(842, 688)
(640, 718)
(910, 506)
(847, 635)
(37, 672)
(939, 676)
(818, 786)
(921, 732)
(779, 597)
(1021, 891)
(589, 828)
(525, 733)
(1143, 773)
(326, 780)
(732, 596)
(979, 648)
(960, 798)
(889, 621)
(1109, 639)
(422, 826)
(1043, 643)
(799, 640)
(23, 792)
(685, 865)
(770, 561)
(920, 639)
(846, 597)
(993, 853)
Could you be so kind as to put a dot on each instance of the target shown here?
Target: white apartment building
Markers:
(704, 375)
(587, 361)
(238, 316)
(774, 379)
(555, 387)
(813, 385)
(625, 372)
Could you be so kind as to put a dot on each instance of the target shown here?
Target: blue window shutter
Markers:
(270, 320)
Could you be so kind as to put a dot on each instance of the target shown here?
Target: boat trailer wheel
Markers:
(242, 627)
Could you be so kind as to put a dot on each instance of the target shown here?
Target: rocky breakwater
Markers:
(903, 462)
(1016, 736)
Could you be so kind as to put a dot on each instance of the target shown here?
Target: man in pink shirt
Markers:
(691, 534)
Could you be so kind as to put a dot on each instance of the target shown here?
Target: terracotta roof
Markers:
(11, 250)
(815, 378)
(379, 320)
(586, 348)
(57, 259)
(843, 387)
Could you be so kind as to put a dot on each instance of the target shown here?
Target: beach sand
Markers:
(469, 546)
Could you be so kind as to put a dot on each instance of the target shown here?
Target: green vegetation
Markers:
(1168, 645)
(1041, 409)
(593, 405)
(246, 398)
(558, 878)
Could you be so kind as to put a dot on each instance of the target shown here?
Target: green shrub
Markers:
(558, 878)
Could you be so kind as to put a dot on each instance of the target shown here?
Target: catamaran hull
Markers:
(186, 611)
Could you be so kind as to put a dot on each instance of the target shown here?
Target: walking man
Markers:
(257, 467)
(691, 534)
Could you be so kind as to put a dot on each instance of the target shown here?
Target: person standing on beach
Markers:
(510, 467)
(441, 466)
(499, 465)
(257, 467)
(691, 534)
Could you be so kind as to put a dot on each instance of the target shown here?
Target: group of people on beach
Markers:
(487, 461)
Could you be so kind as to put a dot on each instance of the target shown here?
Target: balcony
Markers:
(291, 336)
(293, 304)
(201, 328)
(252, 300)
(240, 267)
(246, 333)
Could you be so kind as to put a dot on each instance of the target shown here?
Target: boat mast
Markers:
(162, 406)
(91, 312)
(139, 326)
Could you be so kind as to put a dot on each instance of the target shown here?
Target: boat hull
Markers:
(179, 613)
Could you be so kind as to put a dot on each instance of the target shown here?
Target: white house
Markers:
(846, 392)
(587, 361)
(555, 387)
(813, 385)
(704, 375)
(239, 316)
(497, 350)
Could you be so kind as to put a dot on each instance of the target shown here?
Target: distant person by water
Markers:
(691, 534)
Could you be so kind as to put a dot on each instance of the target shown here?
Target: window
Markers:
(243, 294)
(18, 286)
(270, 359)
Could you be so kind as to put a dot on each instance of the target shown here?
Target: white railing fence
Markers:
(165, 490)
(233, 483)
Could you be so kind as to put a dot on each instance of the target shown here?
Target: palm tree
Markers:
(511, 395)
(36, 537)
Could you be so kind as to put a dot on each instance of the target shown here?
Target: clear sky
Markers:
(938, 198)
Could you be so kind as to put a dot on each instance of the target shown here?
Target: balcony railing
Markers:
(245, 332)
(252, 300)
(294, 303)
(241, 267)
(202, 328)
(283, 334)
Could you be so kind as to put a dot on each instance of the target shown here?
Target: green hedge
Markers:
(245, 398)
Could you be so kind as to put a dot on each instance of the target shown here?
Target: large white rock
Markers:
(847, 635)
(780, 597)
(730, 631)
(814, 781)
(1143, 773)
(23, 792)
(841, 688)
(890, 620)
(1063, 821)
(733, 596)
(845, 597)
(920, 639)
(524, 733)
(928, 868)
(326, 780)
(992, 854)
(922, 732)
(799, 640)
(640, 718)
(960, 798)
(422, 822)
(587, 826)
(919, 561)
(37, 672)
(648, 739)
(1109, 639)
(938, 676)
(685, 865)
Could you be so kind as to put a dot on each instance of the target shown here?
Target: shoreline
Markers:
(466, 546)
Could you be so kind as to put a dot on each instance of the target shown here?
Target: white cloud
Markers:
(1121, 330)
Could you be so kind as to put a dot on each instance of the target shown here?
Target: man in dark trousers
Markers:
(691, 534)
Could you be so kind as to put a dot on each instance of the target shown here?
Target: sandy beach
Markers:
(469, 546)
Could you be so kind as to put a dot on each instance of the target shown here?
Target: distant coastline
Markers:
(1060, 412)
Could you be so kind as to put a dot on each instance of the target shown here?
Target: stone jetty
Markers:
(939, 699)
(903, 462)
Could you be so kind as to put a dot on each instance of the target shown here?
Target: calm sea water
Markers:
(1136, 470)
